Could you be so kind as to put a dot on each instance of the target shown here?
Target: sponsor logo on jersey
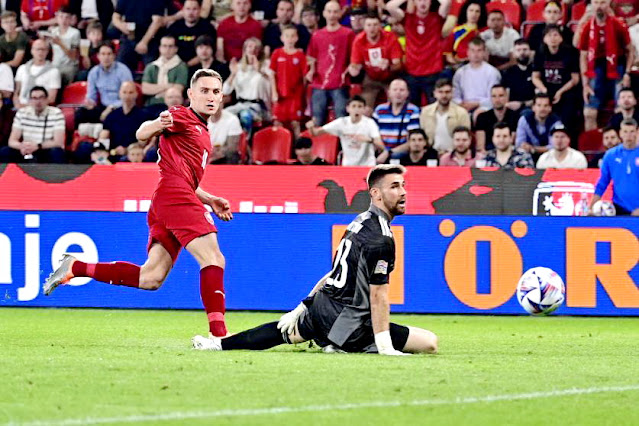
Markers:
(381, 267)
(199, 129)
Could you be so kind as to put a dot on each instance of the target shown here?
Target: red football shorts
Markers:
(176, 218)
(289, 109)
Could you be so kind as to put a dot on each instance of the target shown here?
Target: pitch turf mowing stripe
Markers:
(311, 408)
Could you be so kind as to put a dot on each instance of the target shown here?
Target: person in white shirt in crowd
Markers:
(473, 81)
(65, 40)
(225, 130)
(358, 134)
(36, 72)
(440, 118)
(561, 155)
(500, 40)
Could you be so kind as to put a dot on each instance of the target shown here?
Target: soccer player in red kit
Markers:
(177, 217)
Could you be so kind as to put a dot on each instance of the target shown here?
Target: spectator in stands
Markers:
(89, 57)
(442, 117)
(504, 154)
(610, 139)
(561, 155)
(533, 128)
(288, 64)
(500, 40)
(225, 130)
(310, 19)
(328, 54)
(606, 58)
(273, 31)
(120, 125)
(627, 11)
(188, 29)
(518, 78)
(472, 19)
(234, 30)
(139, 21)
(621, 166)
(424, 40)
(358, 134)
(165, 72)
(553, 15)
(205, 52)
(103, 86)
(13, 43)
(305, 156)
(556, 72)
(38, 132)
(395, 119)
(86, 11)
(462, 154)
(65, 41)
(473, 81)
(39, 14)
(249, 80)
(356, 17)
(377, 52)
(100, 154)
(134, 153)
(36, 72)
(626, 102)
(420, 150)
(487, 120)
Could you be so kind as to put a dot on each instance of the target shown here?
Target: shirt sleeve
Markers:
(357, 53)
(92, 91)
(457, 89)
(373, 129)
(235, 127)
(381, 262)
(179, 119)
(182, 75)
(604, 177)
(6, 78)
(57, 121)
(521, 132)
(334, 127)
(584, 38)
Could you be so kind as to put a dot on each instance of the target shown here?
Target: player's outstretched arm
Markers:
(380, 316)
(152, 128)
(221, 207)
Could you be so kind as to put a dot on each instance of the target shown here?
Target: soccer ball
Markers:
(540, 291)
(604, 208)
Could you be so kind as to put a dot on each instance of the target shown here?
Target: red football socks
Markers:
(212, 292)
(118, 273)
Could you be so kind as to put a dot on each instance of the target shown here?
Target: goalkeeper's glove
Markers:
(385, 344)
(287, 322)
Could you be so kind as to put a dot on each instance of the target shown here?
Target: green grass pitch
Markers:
(83, 367)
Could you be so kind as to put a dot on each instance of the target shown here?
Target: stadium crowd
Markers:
(544, 84)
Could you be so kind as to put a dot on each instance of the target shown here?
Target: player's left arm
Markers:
(221, 207)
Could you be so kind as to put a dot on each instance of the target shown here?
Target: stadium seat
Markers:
(324, 146)
(591, 141)
(75, 93)
(527, 26)
(535, 11)
(272, 144)
(510, 8)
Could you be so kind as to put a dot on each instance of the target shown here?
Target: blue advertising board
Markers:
(445, 264)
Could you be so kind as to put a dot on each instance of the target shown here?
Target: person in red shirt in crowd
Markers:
(287, 81)
(234, 30)
(328, 54)
(178, 217)
(424, 34)
(606, 57)
(37, 14)
(472, 19)
(380, 54)
(628, 10)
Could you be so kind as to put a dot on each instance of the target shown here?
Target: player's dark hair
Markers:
(629, 122)
(205, 72)
(356, 98)
(376, 174)
(443, 82)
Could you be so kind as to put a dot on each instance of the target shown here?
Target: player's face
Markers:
(206, 96)
(393, 193)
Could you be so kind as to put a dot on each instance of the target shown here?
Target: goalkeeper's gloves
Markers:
(385, 344)
(287, 322)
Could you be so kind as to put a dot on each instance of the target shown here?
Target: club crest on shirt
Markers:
(381, 267)
(296, 61)
(208, 218)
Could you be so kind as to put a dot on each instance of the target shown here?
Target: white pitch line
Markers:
(250, 412)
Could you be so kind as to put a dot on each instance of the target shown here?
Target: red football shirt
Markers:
(235, 35)
(423, 44)
(184, 149)
(289, 71)
(331, 49)
(623, 39)
(369, 55)
(41, 10)
(626, 8)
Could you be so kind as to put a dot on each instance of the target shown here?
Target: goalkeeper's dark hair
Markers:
(378, 172)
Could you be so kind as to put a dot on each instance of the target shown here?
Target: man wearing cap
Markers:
(305, 155)
(561, 155)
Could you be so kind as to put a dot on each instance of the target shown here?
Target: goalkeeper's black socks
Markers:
(261, 337)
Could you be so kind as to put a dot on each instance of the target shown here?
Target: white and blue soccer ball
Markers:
(540, 291)
(604, 208)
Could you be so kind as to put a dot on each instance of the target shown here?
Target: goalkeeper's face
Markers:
(393, 194)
